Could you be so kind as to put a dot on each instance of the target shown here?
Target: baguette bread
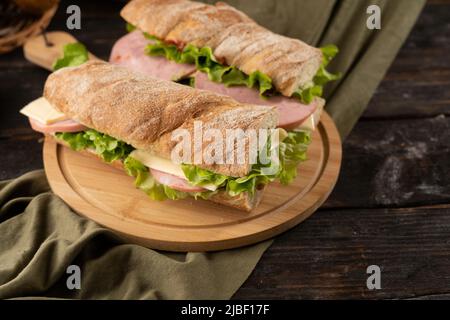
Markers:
(234, 38)
(244, 201)
(144, 112)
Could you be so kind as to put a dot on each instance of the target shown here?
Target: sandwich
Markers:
(219, 48)
(129, 120)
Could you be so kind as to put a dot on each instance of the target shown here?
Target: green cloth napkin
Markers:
(40, 236)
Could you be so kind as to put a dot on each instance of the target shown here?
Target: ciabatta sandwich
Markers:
(219, 48)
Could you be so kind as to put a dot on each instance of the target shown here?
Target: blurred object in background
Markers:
(22, 19)
(37, 7)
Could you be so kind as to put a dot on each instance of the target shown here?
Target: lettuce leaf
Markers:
(292, 152)
(322, 77)
(130, 27)
(144, 181)
(234, 186)
(74, 55)
(156, 191)
(107, 147)
(205, 61)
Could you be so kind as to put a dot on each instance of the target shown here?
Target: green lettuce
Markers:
(130, 27)
(107, 147)
(322, 77)
(145, 182)
(234, 186)
(204, 60)
(292, 152)
(74, 54)
(156, 191)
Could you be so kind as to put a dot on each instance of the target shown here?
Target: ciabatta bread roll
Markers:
(234, 38)
(144, 112)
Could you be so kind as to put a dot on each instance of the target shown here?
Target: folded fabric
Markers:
(40, 237)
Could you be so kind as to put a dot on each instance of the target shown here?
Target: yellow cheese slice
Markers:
(312, 121)
(163, 165)
(41, 110)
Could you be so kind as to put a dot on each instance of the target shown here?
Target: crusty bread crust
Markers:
(243, 201)
(233, 36)
(144, 112)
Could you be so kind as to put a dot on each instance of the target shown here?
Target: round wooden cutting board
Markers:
(107, 195)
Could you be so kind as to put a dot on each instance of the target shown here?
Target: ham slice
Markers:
(129, 51)
(174, 182)
(61, 126)
(291, 111)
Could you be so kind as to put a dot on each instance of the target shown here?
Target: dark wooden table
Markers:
(391, 206)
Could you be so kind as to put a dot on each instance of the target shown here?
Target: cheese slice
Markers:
(163, 165)
(41, 110)
(312, 121)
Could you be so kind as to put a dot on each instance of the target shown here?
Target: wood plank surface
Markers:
(326, 257)
(418, 82)
(403, 162)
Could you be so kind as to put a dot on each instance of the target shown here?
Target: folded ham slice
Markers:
(129, 51)
(61, 126)
(291, 111)
(174, 182)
